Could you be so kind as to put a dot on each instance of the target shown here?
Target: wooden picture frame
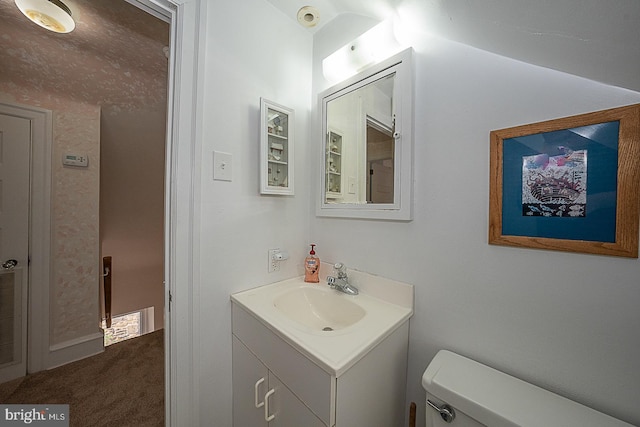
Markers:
(570, 184)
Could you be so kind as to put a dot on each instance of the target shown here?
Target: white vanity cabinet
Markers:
(260, 399)
(370, 392)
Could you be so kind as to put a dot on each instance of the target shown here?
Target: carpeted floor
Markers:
(124, 386)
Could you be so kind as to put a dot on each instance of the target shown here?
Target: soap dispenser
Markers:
(311, 267)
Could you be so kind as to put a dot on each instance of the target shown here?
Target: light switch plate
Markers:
(222, 166)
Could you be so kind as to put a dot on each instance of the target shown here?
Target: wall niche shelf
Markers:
(276, 148)
(333, 176)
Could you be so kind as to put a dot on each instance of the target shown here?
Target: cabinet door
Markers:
(287, 409)
(250, 384)
(277, 146)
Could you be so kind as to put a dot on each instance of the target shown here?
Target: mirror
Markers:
(367, 139)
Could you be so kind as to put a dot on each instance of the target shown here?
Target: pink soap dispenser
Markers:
(311, 267)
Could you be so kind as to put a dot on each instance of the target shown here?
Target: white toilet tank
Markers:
(477, 395)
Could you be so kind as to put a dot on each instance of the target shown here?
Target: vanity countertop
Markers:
(387, 305)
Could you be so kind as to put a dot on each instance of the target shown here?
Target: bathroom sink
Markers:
(321, 309)
(332, 329)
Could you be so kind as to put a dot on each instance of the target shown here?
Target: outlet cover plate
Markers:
(274, 264)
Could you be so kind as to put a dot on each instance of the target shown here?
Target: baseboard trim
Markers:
(75, 349)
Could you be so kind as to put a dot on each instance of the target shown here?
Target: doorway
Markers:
(380, 162)
(65, 338)
(34, 340)
(15, 161)
(132, 169)
(181, 222)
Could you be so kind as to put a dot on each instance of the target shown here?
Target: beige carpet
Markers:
(124, 386)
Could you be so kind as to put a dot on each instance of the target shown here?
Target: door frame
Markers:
(182, 225)
(39, 269)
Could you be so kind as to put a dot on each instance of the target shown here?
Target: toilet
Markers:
(465, 393)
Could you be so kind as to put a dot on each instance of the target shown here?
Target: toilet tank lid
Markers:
(497, 399)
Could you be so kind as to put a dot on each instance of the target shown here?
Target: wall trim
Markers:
(75, 349)
(182, 392)
(183, 177)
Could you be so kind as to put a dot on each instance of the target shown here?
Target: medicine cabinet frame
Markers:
(401, 209)
(277, 147)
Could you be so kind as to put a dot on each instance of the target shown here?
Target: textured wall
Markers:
(74, 212)
(75, 223)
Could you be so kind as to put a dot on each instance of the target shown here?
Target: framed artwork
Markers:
(570, 184)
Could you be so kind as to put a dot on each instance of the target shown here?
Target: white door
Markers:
(15, 149)
(381, 181)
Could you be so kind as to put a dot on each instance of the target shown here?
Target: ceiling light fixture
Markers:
(50, 14)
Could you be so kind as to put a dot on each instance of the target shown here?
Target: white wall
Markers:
(252, 51)
(566, 322)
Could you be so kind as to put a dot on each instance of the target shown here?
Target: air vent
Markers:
(308, 16)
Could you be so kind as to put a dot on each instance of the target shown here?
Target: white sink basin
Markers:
(299, 312)
(320, 309)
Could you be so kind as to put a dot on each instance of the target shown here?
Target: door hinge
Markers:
(170, 300)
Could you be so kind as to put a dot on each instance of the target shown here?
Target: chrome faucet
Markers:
(341, 283)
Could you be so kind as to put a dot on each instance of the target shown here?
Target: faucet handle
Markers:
(341, 269)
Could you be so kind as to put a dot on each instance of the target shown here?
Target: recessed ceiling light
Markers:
(308, 16)
(50, 14)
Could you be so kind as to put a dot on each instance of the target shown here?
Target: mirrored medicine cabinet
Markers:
(367, 143)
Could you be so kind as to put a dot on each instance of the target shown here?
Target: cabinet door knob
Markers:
(268, 417)
(255, 389)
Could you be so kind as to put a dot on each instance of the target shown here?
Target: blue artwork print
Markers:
(555, 185)
(550, 190)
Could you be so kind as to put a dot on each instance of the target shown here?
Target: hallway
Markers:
(124, 386)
